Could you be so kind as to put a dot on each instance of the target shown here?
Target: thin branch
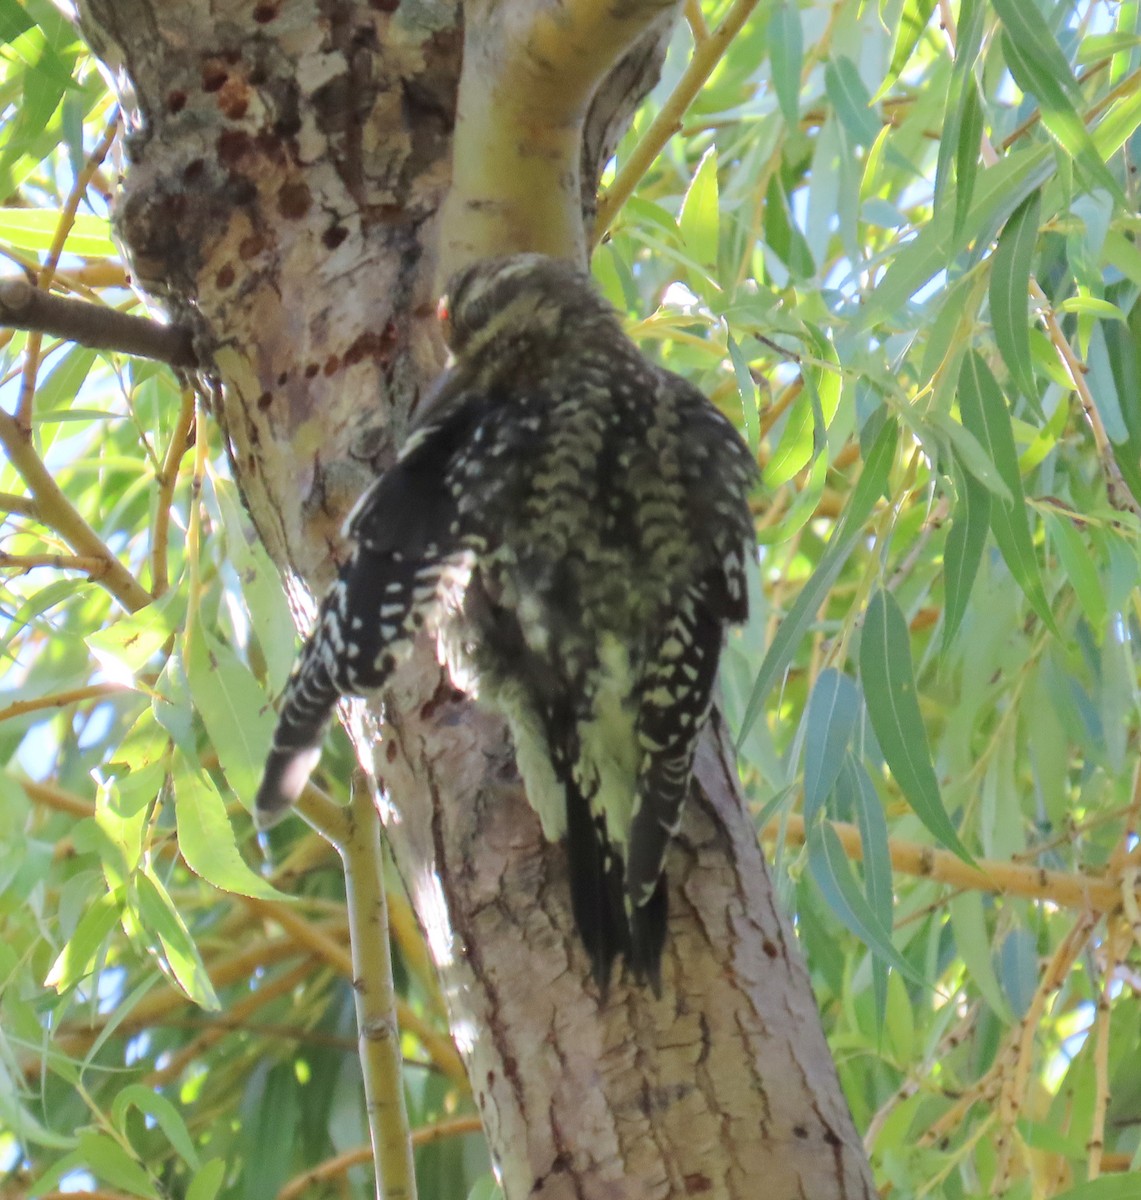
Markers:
(1096, 893)
(706, 56)
(23, 306)
(23, 415)
(61, 515)
(334, 1168)
(167, 479)
(19, 708)
(375, 997)
(21, 563)
(23, 506)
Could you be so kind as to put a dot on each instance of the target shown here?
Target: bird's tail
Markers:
(310, 697)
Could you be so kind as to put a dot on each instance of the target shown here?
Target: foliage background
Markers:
(897, 243)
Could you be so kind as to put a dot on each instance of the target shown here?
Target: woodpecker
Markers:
(570, 522)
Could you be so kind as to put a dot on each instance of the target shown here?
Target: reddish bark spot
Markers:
(264, 13)
(251, 246)
(390, 752)
(378, 346)
(332, 365)
(233, 146)
(265, 400)
(214, 74)
(799, 1131)
(225, 277)
(193, 170)
(294, 199)
(334, 237)
(234, 99)
(312, 371)
(283, 379)
(771, 948)
(175, 101)
(697, 1183)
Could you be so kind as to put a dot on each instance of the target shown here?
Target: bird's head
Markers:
(522, 299)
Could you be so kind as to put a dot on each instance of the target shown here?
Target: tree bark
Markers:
(291, 160)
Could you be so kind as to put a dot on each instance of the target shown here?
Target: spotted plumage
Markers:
(570, 521)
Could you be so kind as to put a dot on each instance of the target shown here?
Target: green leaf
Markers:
(832, 874)
(1108, 1187)
(1009, 292)
(208, 1181)
(908, 30)
(747, 390)
(233, 708)
(832, 711)
(35, 228)
(161, 919)
(1081, 573)
(868, 490)
(206, 838)
(699, 221)
(985, 415)
(793, 449)
(963, 551)
(889, 694)
(153, 1104)
(112, 1164)
(976, 948)
(852, 100)
(77, 959)
(1040, 69)
(786, 54)
(967, 150)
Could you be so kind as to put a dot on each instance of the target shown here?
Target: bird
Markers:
(571, 522)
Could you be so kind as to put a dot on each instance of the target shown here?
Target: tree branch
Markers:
(23, 306)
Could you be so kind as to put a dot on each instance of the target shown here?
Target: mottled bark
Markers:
(283, 197)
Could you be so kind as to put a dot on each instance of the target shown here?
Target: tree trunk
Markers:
(282, 198)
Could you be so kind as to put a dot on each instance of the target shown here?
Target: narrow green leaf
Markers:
(109, 1162)
(889, 694)
(976, 947)
(998, 191)
(208, 1181)
(793, 449)
(1108, 1187)
(34, 229)
(206, 838)
(963, 551)
(1009, 292)
(869, 488)
(786, 55)
(1040, 69)
(967, 151)
(832, 711)
(852, 100)
(747, 390)
(970, 455)
(699, 220)
(908, 30)
(233, 708)
(77, 959)
(832, 874)
(985, 414)
(1080, 570)
(161, 919)
(155, 1105)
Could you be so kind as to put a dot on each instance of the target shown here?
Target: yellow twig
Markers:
(19, 708)
(1096, 893)
(335, 1167)
(706, 55)
(375, 996)
(23, 414)
(167, 478)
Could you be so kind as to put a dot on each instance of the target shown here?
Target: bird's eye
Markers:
(444, 316)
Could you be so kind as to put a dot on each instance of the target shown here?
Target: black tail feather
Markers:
(648, 937)
(596, 890)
